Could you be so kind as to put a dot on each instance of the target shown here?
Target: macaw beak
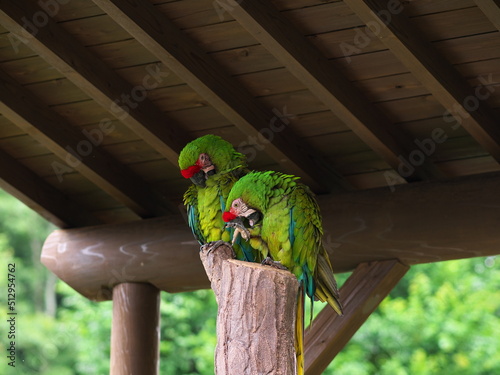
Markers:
(199, 179)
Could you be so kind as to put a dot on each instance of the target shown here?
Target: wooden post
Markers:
(135, 333)
(256, 317)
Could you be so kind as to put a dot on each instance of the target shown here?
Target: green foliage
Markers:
(444, 322)
(188, 333)
(442, 318)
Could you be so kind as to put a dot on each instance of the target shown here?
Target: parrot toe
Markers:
(239, 229)
(216, 244)
(272, 263)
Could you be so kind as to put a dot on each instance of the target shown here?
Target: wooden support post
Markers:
(256, 317)
(368, 285)
(135, 333)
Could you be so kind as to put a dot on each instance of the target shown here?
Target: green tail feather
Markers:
(326, 286)
(299, 331)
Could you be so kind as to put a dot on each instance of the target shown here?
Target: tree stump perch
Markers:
(256, 316)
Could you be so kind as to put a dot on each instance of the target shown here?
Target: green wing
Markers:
(318, 277)
(193, 217)
(306, 232)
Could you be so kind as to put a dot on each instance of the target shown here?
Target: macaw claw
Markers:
(215, 245)
(272, 263)
(239, 229)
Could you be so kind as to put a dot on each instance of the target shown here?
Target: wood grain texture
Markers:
(256, 315)
(94, 77)
(322, 78)
(33, 191)
(93, 260)
(491, 9)
(369, 284)
(81, 151)
(405, 41)
(417, 223)
(190, 62)
(135, 331)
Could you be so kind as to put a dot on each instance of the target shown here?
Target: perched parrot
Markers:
(213, 165)
(280, 217)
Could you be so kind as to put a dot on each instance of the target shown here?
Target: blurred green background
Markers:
(442, 318)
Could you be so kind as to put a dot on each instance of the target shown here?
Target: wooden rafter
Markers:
(96, 79)
(52, 130)
(184, 57)
(325, 80)
(369, 284)
(491, 9)
(469, 107)
(37, 194)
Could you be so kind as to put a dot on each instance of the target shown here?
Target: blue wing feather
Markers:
(194, 224)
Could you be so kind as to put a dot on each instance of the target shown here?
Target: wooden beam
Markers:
(363, 291)
(93, 260)
(491, 9)
(418, 223)
(94, 77)
(79, 151)
(201, 72)
(37, 194)
(468, 106)
(280, 37)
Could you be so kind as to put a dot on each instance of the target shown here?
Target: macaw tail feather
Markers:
(326, 286)
(299, 332)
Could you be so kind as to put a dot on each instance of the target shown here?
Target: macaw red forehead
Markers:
(190, 171)
(228, 216)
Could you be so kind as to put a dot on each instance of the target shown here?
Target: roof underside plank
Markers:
(491, 9)
(77, 150)
(100, 82)
(468, 106)
(287, 44)
(42, 197)
(183, 56)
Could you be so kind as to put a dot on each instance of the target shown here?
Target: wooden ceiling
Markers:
(98, 97)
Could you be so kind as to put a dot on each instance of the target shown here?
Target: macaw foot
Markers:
(272, 263)
(239, 229)
(211, 246)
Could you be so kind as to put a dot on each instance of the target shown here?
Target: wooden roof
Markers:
(338, 92)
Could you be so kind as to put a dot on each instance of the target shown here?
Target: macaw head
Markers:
(248, 199)
(207, 156)
(240, 210)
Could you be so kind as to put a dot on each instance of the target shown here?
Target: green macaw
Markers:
(280, 217)
(213, 165)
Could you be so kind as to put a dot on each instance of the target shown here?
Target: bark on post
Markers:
(256, 317)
